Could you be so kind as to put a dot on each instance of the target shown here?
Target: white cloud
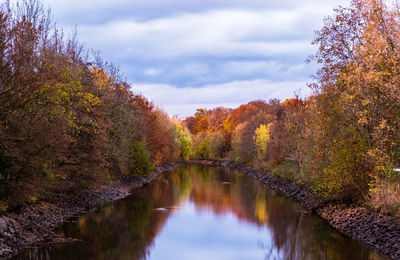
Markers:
(152, 72)
(184, 101)
(94, 11)
(271, 69)
(250, 67)
(257, 47)
(218, 33)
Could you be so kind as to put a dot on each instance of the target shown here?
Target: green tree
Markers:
(139, 158)
(184, 140)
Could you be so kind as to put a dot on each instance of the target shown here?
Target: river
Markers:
(205, 213)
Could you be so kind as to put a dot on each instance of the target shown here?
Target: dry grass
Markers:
(386, 198)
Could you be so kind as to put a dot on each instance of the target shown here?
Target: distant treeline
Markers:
(344, 140)
(66, 121)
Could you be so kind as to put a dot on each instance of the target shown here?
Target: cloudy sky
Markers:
(187, 54)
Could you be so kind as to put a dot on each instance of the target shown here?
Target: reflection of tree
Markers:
(127, 229)
(296, 235)
(302, 236)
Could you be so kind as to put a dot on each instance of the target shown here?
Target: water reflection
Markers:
(199, 212)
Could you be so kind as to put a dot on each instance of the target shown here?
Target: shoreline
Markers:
(369, 227)
(35, 224)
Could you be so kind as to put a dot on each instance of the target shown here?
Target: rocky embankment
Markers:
(369, 227)
(35, 224)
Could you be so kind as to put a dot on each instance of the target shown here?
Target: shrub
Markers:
(202, 147)
(183, 140)
(139, 158)
(216, 145)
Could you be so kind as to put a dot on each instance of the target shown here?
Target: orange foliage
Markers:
(202, 125)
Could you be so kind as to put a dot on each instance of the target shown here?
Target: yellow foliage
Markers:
(261, 138)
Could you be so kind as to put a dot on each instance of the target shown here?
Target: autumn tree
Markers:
(262, 138)
(184, 140)
(297, 133)
(67, 123)
(357, 103)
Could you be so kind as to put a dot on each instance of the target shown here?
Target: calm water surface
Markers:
(205, 213)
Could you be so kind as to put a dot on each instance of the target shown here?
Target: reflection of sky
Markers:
(194, 234)
(186, 218)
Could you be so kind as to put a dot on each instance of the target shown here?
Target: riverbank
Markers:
(35, 224)
(367, 226)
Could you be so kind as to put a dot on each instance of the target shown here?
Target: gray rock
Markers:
(3, 225)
